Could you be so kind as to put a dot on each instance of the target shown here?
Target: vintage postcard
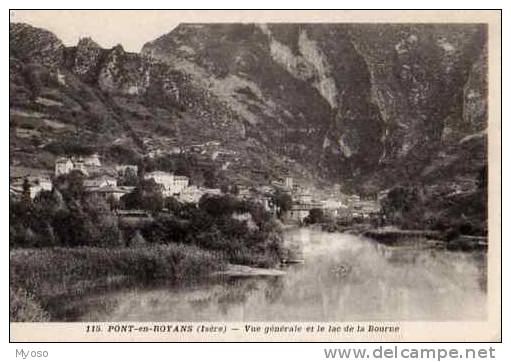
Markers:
(184, 176)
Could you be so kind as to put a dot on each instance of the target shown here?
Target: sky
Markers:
(131, 29)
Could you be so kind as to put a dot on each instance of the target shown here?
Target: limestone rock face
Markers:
(357, 97)
(32, 44)
(86, 59)
(419, 73)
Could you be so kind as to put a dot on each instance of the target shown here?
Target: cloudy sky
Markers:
(132, 29)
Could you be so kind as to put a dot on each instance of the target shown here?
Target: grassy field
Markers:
(40, 274)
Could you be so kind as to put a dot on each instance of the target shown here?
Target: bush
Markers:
(72, 147)
(127, 178)
(440, 210)
(123, 155)
(147, 196)
(283, 201)
(315, 216)
(137, 240)
(211, 227)
(218, 206)
(68, 219)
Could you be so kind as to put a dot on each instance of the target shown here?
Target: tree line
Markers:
(68, 216)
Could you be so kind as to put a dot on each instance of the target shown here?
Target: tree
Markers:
(224, 188)
(400, 201)
(128, 178)
(72, 227)
(210, 178)
(259, 215)
(71, 185)
(137, 240)
(283, 201)
(147, 195)
(113, 202)
(316, 216)
(25, 194)
(235, 190)
(48, 202)
(30, 224)
(86, 222)
(123, 154)
(218, 205)
(173, 205)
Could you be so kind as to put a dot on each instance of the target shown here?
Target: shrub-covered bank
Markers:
(70, 217)
(69, 241)
(450, 213)
(40, 274)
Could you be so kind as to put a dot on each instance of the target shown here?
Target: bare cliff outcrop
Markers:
(35, 45)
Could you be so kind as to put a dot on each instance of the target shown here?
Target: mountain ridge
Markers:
(354, 104)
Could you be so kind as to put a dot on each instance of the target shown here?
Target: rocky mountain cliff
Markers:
(366, 106)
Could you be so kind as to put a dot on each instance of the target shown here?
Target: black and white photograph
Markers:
(254, 173)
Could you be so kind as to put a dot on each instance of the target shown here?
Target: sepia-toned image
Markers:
(199, 175)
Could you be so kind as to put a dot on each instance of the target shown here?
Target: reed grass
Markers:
(40, 274)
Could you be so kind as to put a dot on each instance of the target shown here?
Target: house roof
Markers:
(121, 167)
(158, 173)
(63, 160)
(110, 189)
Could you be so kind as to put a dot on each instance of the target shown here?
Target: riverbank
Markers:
(372, 282)
(40, 275)
(431, 238)
(233, 270)
(394, 236)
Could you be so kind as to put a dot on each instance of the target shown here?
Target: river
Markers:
(343, 277)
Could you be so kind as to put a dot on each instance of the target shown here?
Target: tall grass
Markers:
(24, 308)
(40, 274)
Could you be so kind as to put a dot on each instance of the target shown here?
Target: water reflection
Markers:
(344, 277)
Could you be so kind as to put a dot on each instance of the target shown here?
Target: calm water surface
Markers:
(343, 277)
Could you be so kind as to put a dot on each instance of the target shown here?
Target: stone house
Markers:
(92, 160)
(180, 183)
(37, 184)
(63, 166)
(300, 210)
(86, 164)
(107, 192)
(171, 184)
(191, 194)
(303, 198)
(100, 182)
(122, 169)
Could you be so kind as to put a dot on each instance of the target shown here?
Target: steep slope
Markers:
(121, 104)
(422, 81)
(364, 100)
(363, 105)
(303, 88)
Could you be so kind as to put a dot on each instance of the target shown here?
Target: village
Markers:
(178, 170)
(113, 182)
